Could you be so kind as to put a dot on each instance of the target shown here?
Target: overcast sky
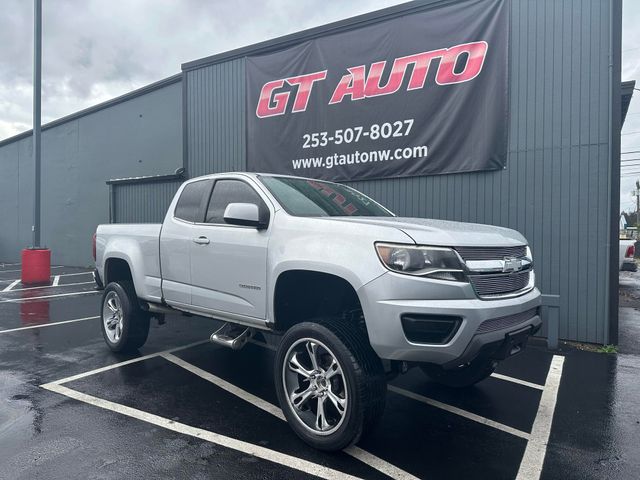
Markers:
(94, 50)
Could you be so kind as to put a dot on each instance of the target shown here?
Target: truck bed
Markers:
(140, 241)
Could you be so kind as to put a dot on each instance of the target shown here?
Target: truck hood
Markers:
(444, 232)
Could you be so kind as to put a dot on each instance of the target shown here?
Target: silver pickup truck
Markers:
(347, 293)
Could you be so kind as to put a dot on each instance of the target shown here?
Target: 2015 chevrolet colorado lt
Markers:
(348, 293)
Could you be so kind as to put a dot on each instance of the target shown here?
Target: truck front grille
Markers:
(506, 322)
(491, 253)
(489, 285)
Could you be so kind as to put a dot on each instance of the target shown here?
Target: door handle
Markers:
(201, 240)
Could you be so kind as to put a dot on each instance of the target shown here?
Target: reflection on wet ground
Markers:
(43, 434)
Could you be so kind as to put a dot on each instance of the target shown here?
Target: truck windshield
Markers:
(314, 198)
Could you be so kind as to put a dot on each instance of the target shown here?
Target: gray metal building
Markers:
(560, 187)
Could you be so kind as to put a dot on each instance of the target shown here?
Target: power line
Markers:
(632, 151)
(631, 133)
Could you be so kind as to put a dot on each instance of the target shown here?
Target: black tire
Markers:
(135, 322)
(362, 376)
(460, 377)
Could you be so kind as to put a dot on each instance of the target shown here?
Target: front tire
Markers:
(460, 377)
(330, 383)
(125, 326)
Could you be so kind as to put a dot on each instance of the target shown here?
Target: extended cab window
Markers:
(230, 191)
(190, 204)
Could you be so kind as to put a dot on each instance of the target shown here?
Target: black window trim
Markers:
(202, 213)
(239, 179)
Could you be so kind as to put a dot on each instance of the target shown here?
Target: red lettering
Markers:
(352, 85)
(446, 71)
(264, 108)
(421, 62)
(358, 85)
(373, 88)
(305, 84)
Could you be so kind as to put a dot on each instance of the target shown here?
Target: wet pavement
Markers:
(183, 408)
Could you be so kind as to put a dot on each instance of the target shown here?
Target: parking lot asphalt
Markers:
(184, 408)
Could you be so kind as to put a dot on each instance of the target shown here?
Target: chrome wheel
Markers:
(112, 317)
(315, 386)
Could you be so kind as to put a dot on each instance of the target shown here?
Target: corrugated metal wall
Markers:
(142, 202)
(137, 135)
(555, 188)
(216, 118)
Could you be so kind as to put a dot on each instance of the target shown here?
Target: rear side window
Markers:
(191, 203)
(230, 191)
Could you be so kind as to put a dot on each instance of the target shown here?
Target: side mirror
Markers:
(245, 214)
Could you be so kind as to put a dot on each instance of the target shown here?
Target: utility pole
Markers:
(637, 194)
(37, 83)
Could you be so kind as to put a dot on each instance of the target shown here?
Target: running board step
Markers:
(232, 336)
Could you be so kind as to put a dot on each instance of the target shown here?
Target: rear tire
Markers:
(460, 377)
(347, 378)
(125, 326)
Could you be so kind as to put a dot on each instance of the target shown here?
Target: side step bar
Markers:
(232, 336)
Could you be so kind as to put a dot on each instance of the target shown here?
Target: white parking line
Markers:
(456, 410)
(459, 411)
(229, 387)
(530, 467)
(17, 300)
(495, 375)
(15, 282)
(20, 270)
(356, 452)
(56, 281)
(75, 274)
(222, 440)
(51, 286)
(4, 280)
(533, 459)
(126, 362)
(518, 381)
(47, 324)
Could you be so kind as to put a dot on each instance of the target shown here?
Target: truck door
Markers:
(176, 240)
(229, 262)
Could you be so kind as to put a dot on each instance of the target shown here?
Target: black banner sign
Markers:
(422, 94)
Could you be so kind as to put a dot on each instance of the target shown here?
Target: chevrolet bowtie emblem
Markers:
(512, 265)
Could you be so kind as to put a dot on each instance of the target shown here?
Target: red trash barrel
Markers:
(36, 266)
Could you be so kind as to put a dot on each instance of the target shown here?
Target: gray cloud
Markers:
(95, 50)
(630, 71)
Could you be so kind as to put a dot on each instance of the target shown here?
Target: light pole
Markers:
(37, 89)
(36, 261)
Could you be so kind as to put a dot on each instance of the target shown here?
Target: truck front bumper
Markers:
(506, 322)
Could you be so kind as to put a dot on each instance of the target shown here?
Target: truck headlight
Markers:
(435, 262)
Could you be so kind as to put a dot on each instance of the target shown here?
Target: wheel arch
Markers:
(302, 294)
